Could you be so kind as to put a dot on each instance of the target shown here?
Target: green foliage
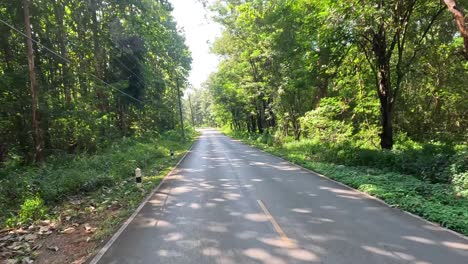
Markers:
(386, 175)
(314, 81)
(36, 188)
(324, 122)
(32, 208)
(118, 75)
(317, 75)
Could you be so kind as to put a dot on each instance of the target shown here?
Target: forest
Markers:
(89, 90)
(370, 93)
(102, 70)
(379, 87)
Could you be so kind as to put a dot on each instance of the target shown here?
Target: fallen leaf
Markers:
(55, 248)
(44, 222)
(36, 247)
(5, 255)
(26, 260)
(53, 225)
(21, 231)
(68, 230)
(76, 202)
(30, 237)
(7, 237)
(79, 261)
(44, 230)
(89, 229)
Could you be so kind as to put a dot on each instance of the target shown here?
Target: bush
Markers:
(324, 122)
(31, 209)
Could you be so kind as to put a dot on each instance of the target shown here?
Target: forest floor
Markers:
(439, 203)
(74, 229)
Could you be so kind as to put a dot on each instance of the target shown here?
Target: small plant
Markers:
(32, 209)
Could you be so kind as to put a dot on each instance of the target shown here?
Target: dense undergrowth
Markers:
(28, 193)
(430, 180)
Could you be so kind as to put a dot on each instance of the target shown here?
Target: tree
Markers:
(38, 142)
(104, 71)
(460, 20)
(387, 64)
(386, 34)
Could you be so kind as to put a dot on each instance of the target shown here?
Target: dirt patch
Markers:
(73, 247)
(71, 238)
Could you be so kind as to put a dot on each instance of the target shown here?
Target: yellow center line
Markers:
(275, 224)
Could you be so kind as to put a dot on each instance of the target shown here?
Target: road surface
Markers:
(230, 203)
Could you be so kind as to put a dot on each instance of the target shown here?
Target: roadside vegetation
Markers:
(89, 91)
(429, 180)
(80, 196)
(371, 94)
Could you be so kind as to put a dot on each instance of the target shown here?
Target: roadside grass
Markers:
(28, 194)
(68, 207)
(442, 203)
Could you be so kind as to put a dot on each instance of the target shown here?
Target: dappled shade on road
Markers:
(207, 211)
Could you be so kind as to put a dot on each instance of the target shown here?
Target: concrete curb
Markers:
(435, 225)
(116, 235)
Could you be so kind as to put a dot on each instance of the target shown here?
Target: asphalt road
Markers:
(230, 203)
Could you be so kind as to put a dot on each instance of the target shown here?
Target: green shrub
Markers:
(32, 208)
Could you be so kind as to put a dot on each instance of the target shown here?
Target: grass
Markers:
(443, 203)
(28, 194)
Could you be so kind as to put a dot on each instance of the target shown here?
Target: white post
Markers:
(138, 177)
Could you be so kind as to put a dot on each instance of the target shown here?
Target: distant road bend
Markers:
(230, 203)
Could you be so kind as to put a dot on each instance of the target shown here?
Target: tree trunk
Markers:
(296, 128)
(38, 142)
(5, 45)
(59, 13)
(102, 100)
(180, 109)
(191, 111)
(323, 78)
(384, 88)
(259, 121)
(462, 22)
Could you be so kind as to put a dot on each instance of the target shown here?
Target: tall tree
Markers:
(38, 142)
